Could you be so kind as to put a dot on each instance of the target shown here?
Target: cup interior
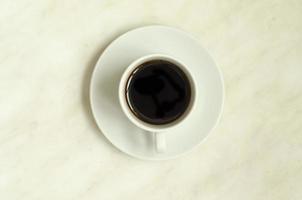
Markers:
(126, 107)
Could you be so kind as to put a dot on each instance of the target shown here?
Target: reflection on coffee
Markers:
(158, 92)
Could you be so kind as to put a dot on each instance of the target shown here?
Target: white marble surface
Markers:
(50, 147)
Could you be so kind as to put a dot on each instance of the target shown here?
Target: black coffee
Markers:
(158, 92)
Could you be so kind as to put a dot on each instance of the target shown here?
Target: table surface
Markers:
(50, 147)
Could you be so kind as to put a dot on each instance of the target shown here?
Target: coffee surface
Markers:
(158, 92)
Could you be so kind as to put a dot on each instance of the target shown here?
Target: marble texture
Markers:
(50, 147)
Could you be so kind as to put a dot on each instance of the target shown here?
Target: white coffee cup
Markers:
(157, 130)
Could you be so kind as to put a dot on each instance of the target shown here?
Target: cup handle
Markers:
(160, 142)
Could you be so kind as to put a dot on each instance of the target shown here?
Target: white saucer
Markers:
(104, 91)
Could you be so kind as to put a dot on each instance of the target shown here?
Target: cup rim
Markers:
(129, 113)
